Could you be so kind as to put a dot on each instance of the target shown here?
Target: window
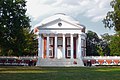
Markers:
(68, 41)
(51, 41)
(60, 41)
(83, 43)
(68, 53)
(51, 53)
(83, 52)
(59, 24)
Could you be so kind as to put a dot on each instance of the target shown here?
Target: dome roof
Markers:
(61, 16)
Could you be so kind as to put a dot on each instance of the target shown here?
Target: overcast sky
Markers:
(88, 12)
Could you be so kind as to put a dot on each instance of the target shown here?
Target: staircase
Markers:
(59, 62)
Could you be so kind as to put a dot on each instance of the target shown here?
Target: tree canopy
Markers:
(13, 21)
(92, 44)
(113, 17)
(115, 45)
(97, 46)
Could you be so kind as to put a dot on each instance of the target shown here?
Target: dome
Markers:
(61, 16)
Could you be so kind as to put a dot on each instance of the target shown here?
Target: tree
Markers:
(12, 23)
(104, 49)
(113, 17)
(115, 45)
(92, 44)
(97, 46)
(30, 48)
(113, 20)
(104, 43)
(106, 37)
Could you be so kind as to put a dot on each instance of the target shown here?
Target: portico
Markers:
(60, 38)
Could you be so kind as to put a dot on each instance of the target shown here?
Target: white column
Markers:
(39, 50)
(39, 46)
(47, 46)
(55, 47)
(79, 46)
(63, 46)
(42, 47)
(71, 40)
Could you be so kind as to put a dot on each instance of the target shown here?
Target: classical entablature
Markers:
(61, 40)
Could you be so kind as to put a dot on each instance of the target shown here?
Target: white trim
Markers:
(62, 31)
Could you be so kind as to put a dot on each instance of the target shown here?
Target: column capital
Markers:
(63, 35)
(71, 33)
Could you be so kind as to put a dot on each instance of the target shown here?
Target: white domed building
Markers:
(61, 41)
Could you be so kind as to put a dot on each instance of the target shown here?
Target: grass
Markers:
(59, 73)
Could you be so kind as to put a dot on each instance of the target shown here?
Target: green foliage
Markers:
(104, 43)
(100, 51)
(115, 45)
(106, 37)
(13, 21)
(30, 48)
(113, 20)
(92, 44)
(113, 17)
(97, 46)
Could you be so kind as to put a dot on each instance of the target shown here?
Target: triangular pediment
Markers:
(60, 24)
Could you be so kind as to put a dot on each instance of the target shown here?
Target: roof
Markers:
(57, 16)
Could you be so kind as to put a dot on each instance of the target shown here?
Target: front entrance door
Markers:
(59, 52)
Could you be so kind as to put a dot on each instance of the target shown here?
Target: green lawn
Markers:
(67, 73)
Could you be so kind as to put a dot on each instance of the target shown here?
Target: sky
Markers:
(88, 12)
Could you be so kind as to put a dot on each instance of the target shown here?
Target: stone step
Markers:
(60, 62)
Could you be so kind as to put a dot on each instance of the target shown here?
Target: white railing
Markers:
(18, 61)
(101, 57)
(21, 57)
